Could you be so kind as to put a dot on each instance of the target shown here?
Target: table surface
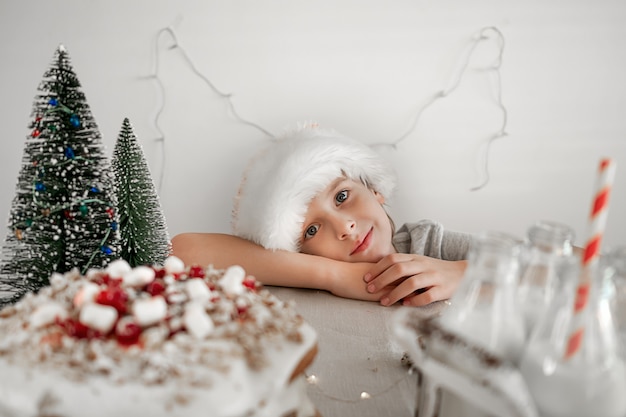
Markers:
(357, 354)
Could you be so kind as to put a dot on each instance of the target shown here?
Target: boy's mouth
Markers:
(363, 244)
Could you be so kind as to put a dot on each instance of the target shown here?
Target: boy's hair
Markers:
(282, 179)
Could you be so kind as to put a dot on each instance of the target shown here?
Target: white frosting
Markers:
(224, 356)
(46, 314)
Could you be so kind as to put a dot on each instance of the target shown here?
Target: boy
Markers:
(310, 213)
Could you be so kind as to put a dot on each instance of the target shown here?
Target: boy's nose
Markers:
(345, 228)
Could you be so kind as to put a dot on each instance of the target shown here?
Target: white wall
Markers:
(364, 67)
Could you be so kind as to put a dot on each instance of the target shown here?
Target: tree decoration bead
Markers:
(35, 133)
(69, 152)
(53, 102)
(75, 120)
(106, 250)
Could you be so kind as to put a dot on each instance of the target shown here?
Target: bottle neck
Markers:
(551, 238)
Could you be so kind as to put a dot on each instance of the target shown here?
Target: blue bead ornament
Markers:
(114, 226)
(39, 186)
(69, 153)
(53, 102)
(106, 250)
(94, 189)
(75, 120)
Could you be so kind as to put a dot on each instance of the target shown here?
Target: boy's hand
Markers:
(418, 280)
(347, 281)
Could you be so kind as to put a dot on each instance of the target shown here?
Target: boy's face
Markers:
(347, 222)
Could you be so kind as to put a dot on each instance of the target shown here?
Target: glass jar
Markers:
(547, 245)
(615, 261)
(581, 379)
(484, 309)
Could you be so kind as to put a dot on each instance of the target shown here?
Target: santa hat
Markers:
(282, 179)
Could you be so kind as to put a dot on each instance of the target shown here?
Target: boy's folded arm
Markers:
(280, 268)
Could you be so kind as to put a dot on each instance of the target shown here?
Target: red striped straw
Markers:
(597, 222)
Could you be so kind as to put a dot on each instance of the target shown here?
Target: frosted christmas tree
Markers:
(63, 214)
(143, 231)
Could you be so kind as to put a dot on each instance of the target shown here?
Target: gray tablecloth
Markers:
(357, 354)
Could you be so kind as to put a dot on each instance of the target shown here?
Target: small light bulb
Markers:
(365, 395)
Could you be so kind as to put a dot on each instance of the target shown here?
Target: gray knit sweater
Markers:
(429, 238)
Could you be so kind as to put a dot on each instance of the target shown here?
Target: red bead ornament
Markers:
(110, 212)
(35, 133)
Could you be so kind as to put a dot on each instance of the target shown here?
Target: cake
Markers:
(172, 341)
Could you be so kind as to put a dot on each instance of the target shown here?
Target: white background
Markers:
(363, 67)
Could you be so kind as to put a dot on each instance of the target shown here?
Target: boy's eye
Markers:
(341, 196)
(311, 231)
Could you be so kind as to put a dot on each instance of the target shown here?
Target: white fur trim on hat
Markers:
(282, 179)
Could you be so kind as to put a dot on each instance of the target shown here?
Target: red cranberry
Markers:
(127, 332)
(156, 287)
(113, 296)
(250, 283)
(78, 330)
(196, 271)
(159, 272)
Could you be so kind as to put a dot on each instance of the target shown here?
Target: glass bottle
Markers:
(589, 380)
(615, 261)
(547, 245)
(484, 309)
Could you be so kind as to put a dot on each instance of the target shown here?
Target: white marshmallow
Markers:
(86, 294)
(118, 268)
(174, 265)
(98, 317)
(232, 281)
(139, 276)
(150, 310)
(197, 321)
(46, 314)
(197, 290)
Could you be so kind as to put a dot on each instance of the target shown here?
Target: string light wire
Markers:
(363, 395)
(192, 66)
(483, 35)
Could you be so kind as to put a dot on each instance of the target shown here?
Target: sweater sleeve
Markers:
(431, 239)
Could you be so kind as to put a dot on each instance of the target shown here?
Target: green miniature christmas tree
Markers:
(144, 237)
(63, 214)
